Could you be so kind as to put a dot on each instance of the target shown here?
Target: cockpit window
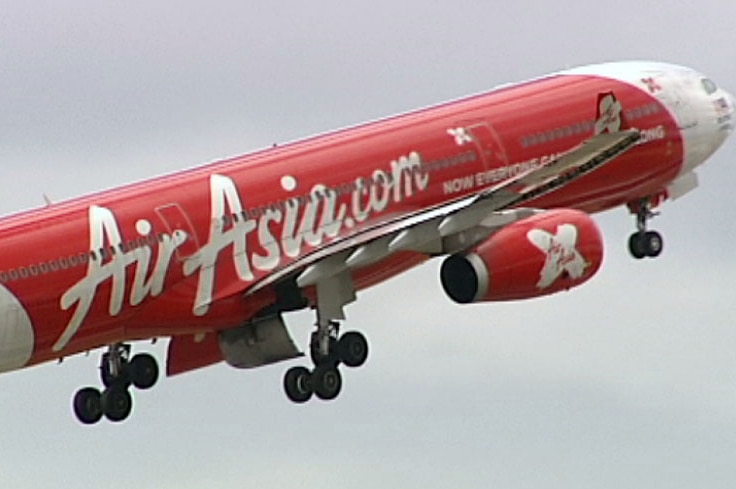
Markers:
(709, 86)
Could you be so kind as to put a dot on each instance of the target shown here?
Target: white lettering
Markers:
(105, 240)
(322, 218)
(458, 185)
(652, 134)
(223, 195)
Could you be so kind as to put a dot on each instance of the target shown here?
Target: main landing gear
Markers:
(328, 350)
(644, 243)
(117, 372)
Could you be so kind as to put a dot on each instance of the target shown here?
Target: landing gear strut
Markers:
(327, 352)
(644, 243)
(117, 372)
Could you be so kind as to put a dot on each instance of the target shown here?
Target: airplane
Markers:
(499, 185)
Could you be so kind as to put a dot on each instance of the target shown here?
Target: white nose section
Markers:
(714, 124)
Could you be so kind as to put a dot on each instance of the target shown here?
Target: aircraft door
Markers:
(488, 143)
(177, 221)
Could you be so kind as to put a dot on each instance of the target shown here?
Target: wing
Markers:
(454, 226)
(581, 160)
(448, 228)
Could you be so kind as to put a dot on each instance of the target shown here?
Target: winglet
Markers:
(609, 116)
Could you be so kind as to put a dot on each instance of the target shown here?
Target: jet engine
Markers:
(540, 255)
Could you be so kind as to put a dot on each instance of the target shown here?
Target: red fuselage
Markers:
(176, 254)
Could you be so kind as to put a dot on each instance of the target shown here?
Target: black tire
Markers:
(116, 403)
(298, 384)
(353, 349)
(637, 246)
(143, 371)
(653, 243)
(88, 405)
(326, 382)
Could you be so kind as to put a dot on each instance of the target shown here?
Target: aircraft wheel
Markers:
(116, 403)
(327, 382)
(652, 243)
(353, 349)
(143, 371)
(88, 405)
(298, 384)
(637, 246)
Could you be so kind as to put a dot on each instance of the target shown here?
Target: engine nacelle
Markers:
(540, 255)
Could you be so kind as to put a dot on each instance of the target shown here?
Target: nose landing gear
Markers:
(117, 373)
(644, 243)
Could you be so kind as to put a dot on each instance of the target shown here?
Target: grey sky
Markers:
(628, 381)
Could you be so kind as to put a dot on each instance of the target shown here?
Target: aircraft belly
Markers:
(257, 343)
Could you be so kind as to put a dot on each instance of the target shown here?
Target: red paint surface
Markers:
(499, 121)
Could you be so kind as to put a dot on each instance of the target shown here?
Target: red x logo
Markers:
(651, 84)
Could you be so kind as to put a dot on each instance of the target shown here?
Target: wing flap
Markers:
(589, 156)
(581, 160)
